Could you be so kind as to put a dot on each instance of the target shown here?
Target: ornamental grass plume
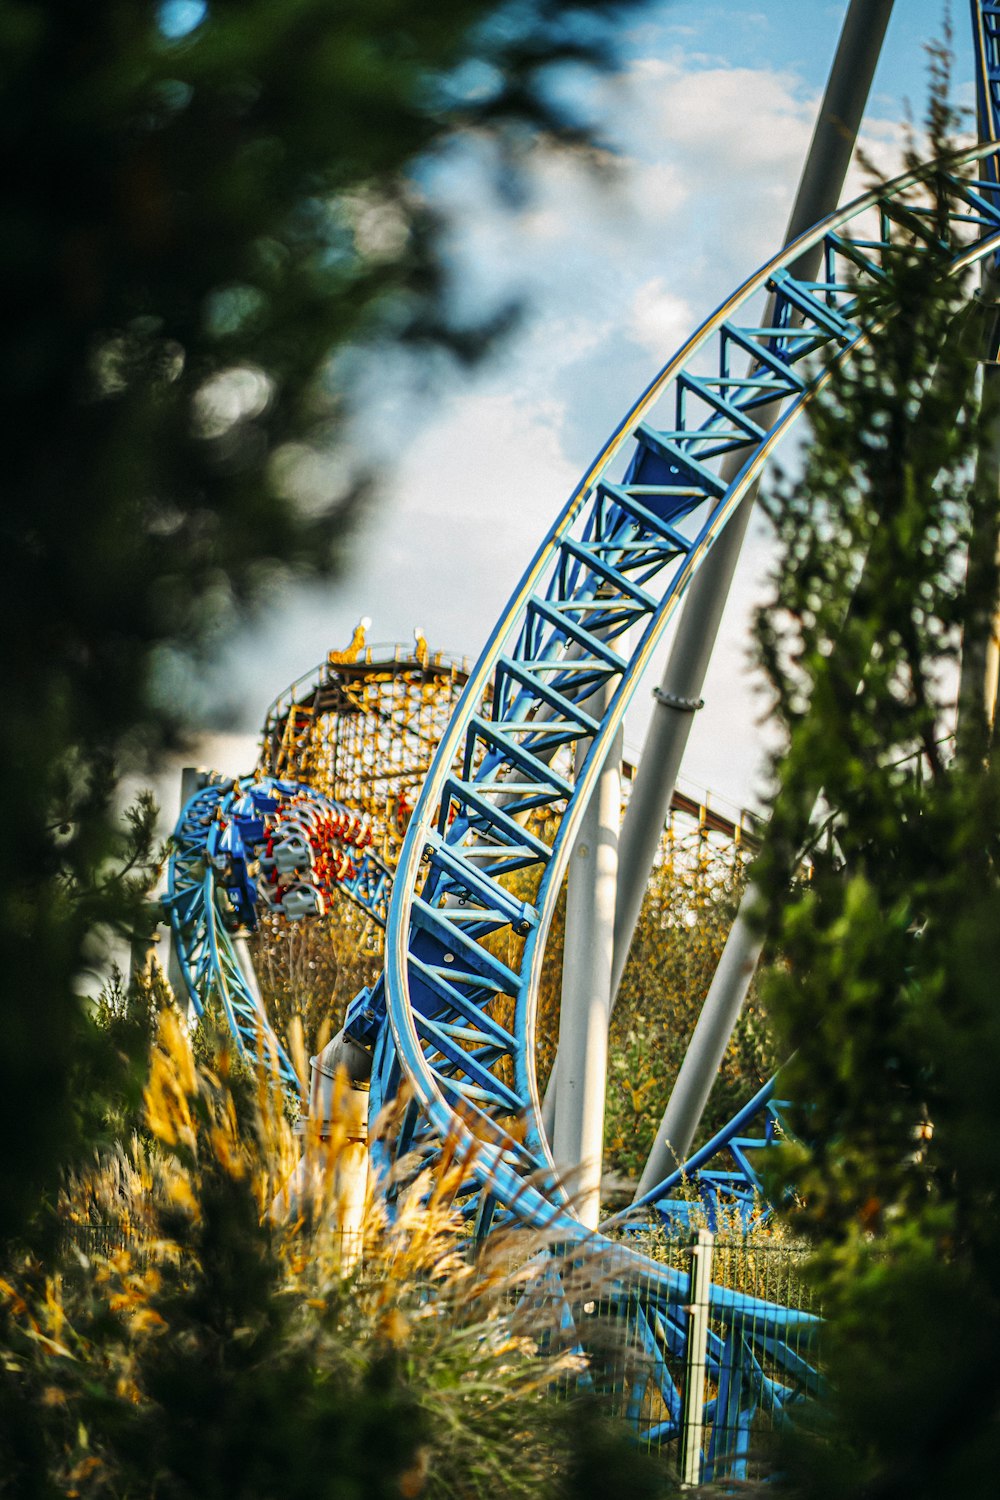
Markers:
(210, 1338)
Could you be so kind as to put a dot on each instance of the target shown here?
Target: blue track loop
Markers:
(460, 989)
(240, 845)
(464, 947)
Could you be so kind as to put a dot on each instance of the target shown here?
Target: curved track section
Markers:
(455, 1011)
(464, 953)
(259, 842)
(726, 1172)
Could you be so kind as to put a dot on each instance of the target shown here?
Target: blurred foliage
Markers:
(887, 994)
(203, 204)
(231, 1344)
(126, 1016)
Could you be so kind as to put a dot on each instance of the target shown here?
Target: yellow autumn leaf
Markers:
(145, 1318)
(180, 1193)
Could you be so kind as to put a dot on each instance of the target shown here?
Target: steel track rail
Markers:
(617, 560)
(455, 1011)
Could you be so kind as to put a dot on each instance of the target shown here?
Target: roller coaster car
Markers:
(239, 910)
(288, 855)
(299, 828)
(249, 821)
(302, 901)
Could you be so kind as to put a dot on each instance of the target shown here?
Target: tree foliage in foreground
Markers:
(887, 988)
(202, 205)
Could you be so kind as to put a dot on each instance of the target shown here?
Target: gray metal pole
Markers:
(241, 949)
(683, 680)
(707, 1048)
(679, 693)
(696, 1359)
(980, 668)
(578, 1127)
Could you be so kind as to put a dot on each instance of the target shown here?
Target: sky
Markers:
(709, 115)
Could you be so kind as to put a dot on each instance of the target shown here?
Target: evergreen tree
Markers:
(886, 989)
(203, 203)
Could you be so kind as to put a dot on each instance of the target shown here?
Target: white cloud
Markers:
(617, 278)
(659, 319)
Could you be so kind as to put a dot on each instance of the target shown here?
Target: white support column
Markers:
(241, 949)
(980, 668)
(696, 1359)
(578, 1127)
(338, 1127)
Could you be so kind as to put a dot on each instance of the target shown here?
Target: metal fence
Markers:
(708, 1365)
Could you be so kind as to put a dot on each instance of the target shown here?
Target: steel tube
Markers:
(578, 1125)
(684, 677)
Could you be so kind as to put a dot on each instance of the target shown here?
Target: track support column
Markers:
(684, 677)
(578, 1128)
(338, 1118)
(683, 680)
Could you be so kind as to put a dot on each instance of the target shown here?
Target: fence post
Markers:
(693, 1415)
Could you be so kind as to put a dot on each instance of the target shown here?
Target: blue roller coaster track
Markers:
(259, 842)
(616, 562)
(454, 1012)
